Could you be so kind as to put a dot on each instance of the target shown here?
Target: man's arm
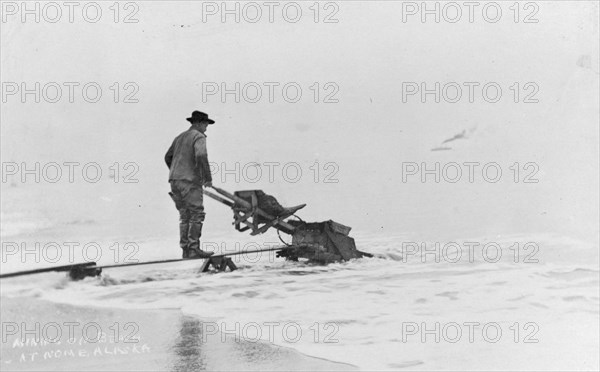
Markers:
(169, 155)
(201, 155)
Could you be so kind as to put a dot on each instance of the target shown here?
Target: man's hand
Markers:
(208, 184)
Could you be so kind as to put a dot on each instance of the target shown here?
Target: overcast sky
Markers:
(171, 53)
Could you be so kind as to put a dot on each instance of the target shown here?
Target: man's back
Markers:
(187, 158)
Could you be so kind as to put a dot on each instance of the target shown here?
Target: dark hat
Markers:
(199, 116)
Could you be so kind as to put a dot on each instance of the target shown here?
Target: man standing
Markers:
(188, 171)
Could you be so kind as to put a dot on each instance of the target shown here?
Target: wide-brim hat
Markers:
(200, 116)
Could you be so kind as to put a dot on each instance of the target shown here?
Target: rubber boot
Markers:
(194, 234)
(184, 228)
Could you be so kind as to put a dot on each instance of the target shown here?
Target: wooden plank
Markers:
(218, 198)
(279, 220)
(247, 205)
(205, 266)
(231, 265)
(241, 218)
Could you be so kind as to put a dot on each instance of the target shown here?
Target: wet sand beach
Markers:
(38, 335)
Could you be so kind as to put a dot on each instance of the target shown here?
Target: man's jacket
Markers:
(187, 158)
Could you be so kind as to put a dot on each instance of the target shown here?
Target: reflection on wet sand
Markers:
(132, 339)
(188, 347)
(200, 348)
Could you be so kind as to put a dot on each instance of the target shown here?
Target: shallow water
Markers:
(375, 313)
